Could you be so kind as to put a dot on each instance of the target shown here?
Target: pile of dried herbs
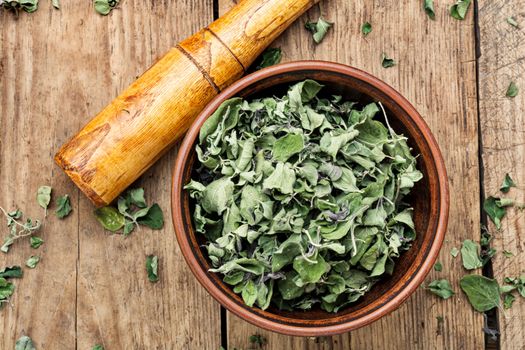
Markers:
(300, 198)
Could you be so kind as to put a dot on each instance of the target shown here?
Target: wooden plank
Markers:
(57, 70)
(436, 71)
(502, 125)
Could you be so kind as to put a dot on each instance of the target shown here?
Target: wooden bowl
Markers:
(430, 199)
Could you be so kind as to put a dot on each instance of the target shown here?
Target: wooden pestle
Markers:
(134, 130)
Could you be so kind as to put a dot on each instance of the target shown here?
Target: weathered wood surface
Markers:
(502, 123)
(57, 70)
(436, 71)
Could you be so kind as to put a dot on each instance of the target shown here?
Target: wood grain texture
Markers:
(502, 123)
(56, 69)
(154, 112)
(436, 71)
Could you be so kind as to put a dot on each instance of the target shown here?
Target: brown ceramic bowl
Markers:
(430, 199)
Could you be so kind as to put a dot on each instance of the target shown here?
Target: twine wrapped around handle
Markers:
(134, 130)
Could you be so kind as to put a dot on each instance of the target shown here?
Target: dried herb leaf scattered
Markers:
(517, 283)
(152, 262)
(470, 255)
(269, 57)
(454, 252)
(257, 339)
(17, 228)
(507, 184)
(36, 242)
(508, 254)
(438, 266)
(318, 29)
(43, 196)
(508, 300)
(11, 272)
(459, 9)
(19, 5)
(428, 6)
(441, 288)
(63, 207)
(482, 292)
(366, 28)
(301, 197)
(131, 211)
(56, 4)
(387, 62)
(24, 343)
(32, 261)
(512, 90)
(97, 347)
(104, 7)
(494, 211)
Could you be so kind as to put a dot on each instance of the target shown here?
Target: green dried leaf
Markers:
(470, 255)
(63, 207)
(459, 9)
(104, 7)
(24, 343)
(454, 252)
(271, 56)
(153, 219)
(441, 288)
(300, 198)
(507, 184)
(318, 29)
(494, 211)
(387, 62)
(438, 266)
(36, 242)
(508, 254)
(512, 90)
(6, 289)
(482, 292)
(56, 4)
(152, 268)
(428, 6)
(32, 261)
(11, 272)
(110, 218)
(508, 300)
(366, 28)
(43, 196)
(512, 22)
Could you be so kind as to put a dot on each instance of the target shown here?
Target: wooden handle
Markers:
(132, 132)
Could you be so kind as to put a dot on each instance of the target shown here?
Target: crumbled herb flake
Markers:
(459, 9)
(438, 266)
(104, 7)
(507, 184)
(257, 339)
(36, 242)
(428, 6)
(24, 343)
(97, 347)
(63, 207)
(508, 254)
(152, 262)
(512, 22)
(512, 90)
(43, 196)
(454, 252)
(32, 261)
(508, 300)
(470, 255)
(56, 4)
(494, 211)
(441, 288)
(387, 62)
(11, 272)
(366, 28)
(294, 195)
(318, 29)
(269, 57)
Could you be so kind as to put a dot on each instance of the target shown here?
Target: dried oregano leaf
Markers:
(300, 197)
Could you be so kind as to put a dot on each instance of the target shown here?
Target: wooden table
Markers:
(59, 68)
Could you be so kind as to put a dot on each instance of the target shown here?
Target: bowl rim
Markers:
(202, 276)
